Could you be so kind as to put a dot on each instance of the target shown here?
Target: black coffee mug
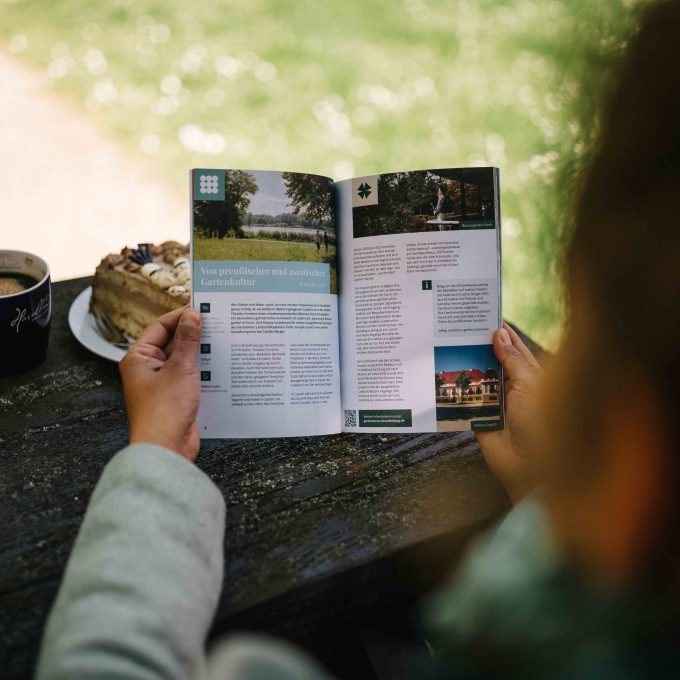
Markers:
(24, 315)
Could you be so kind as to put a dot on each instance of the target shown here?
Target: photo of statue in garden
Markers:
(467, 388)
(428, 200)
(279, 216)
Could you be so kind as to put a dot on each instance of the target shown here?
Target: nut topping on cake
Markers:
(181, 270)
(165, 279)
(177, 290)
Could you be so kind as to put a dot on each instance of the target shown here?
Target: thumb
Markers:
(512, 360)
(186, 339)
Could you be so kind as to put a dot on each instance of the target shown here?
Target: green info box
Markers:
(386, 418)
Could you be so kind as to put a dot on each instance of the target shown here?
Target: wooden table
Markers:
(318, 528)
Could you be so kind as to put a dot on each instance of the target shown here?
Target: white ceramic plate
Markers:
(84, 328)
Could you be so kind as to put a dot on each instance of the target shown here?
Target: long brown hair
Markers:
(626, 234)
(625, 252)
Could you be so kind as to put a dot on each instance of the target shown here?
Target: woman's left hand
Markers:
(161, 383)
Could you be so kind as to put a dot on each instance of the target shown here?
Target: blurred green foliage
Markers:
(348, 88)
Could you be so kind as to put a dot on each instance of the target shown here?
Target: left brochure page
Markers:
(263, 248)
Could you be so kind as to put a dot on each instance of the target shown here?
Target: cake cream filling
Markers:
(123, 298)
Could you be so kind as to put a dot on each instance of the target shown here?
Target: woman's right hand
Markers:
(508, 451)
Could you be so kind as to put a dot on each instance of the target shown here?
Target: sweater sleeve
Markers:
(144, 577)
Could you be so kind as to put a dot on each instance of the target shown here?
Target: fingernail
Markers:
(191, 316)
(504, 336)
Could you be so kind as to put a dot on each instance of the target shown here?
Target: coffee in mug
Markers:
(15, 282)
(25, 311)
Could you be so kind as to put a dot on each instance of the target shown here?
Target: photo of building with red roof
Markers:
(467, 384)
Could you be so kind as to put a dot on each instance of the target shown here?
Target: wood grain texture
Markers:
(318, 528)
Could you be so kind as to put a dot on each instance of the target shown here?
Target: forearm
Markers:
(144, 577)
(508, 468)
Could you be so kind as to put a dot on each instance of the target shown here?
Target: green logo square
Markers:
(208, 185)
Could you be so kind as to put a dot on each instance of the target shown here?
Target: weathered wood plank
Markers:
(316, 526)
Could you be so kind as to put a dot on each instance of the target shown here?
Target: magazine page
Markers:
(420, 300)
(265, 281)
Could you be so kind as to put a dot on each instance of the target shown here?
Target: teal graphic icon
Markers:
(209, 185)
(364, 190)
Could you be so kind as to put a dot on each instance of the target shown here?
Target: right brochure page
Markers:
(420, 298)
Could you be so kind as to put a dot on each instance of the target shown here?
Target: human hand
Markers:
(508, 452)
(161, 385)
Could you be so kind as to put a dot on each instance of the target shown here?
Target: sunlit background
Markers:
(105, 106)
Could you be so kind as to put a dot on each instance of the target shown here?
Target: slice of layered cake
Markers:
(133, 288)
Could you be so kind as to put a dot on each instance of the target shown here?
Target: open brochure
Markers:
(364, 305)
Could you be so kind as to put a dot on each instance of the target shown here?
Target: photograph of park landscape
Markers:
(428, 200)
(467, 388)
(272, 216)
